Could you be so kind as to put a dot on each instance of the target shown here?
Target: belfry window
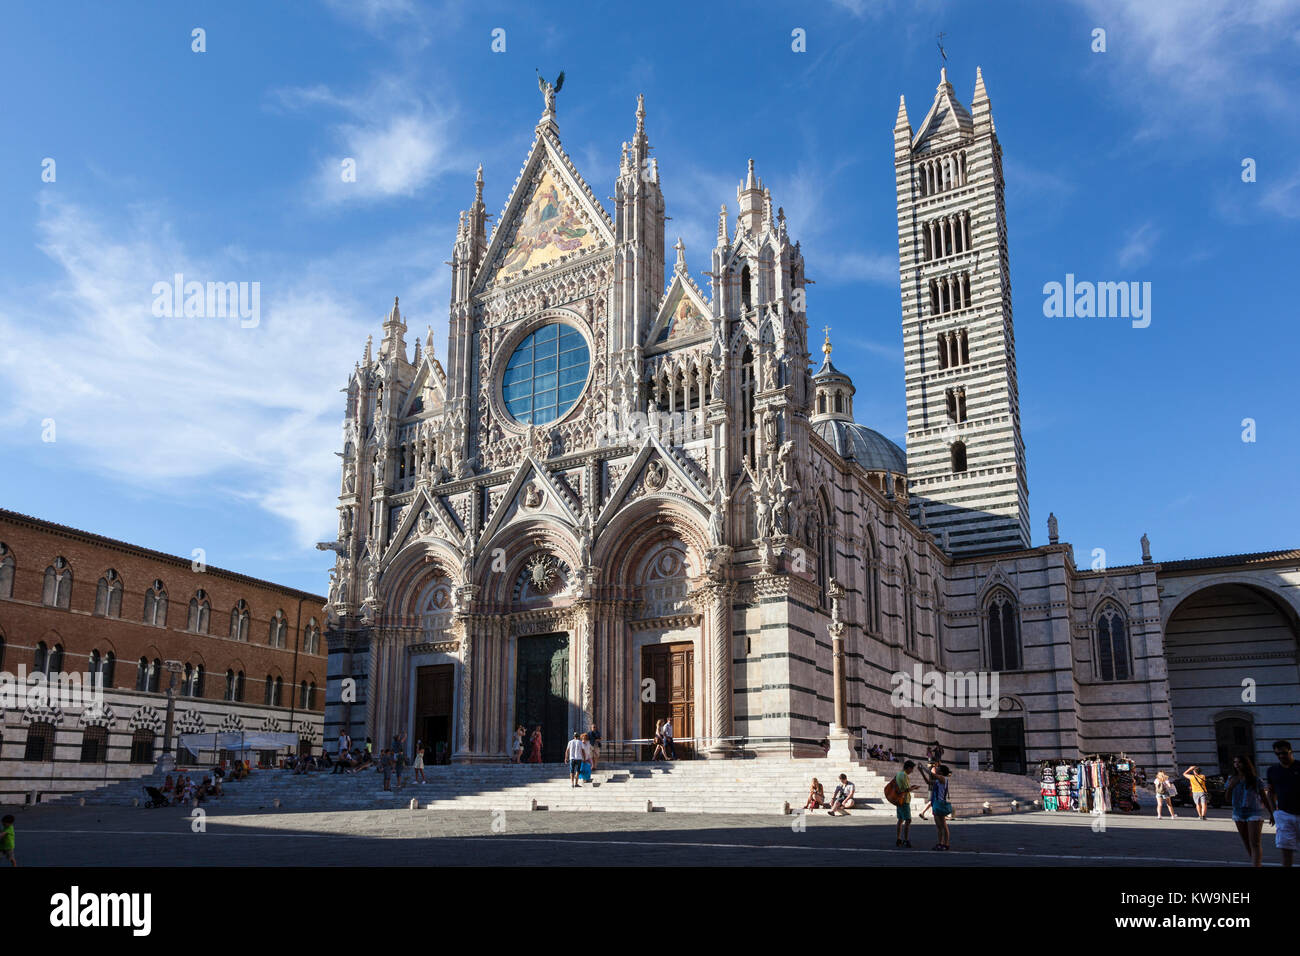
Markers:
(958, 453)
(747, 386)
(956, 400)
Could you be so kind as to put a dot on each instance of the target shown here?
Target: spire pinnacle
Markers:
(826, 346)
(478, 184)
(750, 181)
(902, 122)
(640, 114)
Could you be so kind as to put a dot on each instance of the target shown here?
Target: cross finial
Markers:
(826, 347)
(942, 52)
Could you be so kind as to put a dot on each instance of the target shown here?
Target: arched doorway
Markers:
(1230, 651)
(435, 675)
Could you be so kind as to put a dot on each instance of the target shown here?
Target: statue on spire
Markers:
(549, 89)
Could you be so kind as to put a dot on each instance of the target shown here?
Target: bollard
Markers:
(785, 808)
(987, 809)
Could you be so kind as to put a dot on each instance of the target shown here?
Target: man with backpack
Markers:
(899, 792)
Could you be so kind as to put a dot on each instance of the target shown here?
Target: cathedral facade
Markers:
(627, 498)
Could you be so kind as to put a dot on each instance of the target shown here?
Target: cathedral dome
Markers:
(858, 443)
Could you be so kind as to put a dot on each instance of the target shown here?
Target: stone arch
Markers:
(1287, 599)
(630, 534)
(411, 569)
(521, 540)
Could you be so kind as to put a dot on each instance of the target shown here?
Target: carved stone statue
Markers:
(1146, 549)
(718, 515)
(1053, 532)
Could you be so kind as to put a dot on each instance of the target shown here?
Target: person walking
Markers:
(1164, 795)
(1249, 803)
(593, 740)
(399, 766)
(1200, 791)
(418, 766)
(517, 745)
(535, 745)
(666, 732)
(937, 778)
(573, 754)
(842, 799)
(903, 808)
(386, 767)
(1284, 791)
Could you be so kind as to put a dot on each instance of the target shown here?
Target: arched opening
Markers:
(1230, 652)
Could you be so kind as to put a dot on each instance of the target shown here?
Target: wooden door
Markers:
(671, 667)
(434, 707)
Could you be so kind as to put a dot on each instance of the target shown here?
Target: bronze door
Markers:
(434, 698)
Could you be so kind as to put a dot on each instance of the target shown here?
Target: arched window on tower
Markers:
(909, 606)
(1113, 661)
(873, 583)
(958, 457)
(41, 660)
(825, 550)
(746, 295)
(1002, 624)
(747, 389)
(267, 689)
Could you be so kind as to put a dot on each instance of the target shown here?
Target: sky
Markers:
(1122, 164)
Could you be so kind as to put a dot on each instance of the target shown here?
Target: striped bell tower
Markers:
(965, 454)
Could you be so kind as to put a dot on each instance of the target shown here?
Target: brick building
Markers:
(249, 652)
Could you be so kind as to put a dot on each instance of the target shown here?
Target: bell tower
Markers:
(965, 454)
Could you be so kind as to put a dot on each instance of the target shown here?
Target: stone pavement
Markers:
(120, 836)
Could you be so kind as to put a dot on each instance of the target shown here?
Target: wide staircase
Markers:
(970, 790)
(700, 786)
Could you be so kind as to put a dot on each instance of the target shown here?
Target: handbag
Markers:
(892, 794)
(584, 772)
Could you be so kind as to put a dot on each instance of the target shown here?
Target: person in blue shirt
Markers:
(1249, 802)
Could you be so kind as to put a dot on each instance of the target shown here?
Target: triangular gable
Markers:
(444, 524)
(510, 504)
(551, 214)
(429, 374)
(684, 315)
(652, 448)
(947, 118)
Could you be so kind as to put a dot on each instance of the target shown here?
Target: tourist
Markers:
(573, 754)
(386, 768)
(1284, 791)
(418, 765)
(370, 747)
(399, 764)
(344, 762)
(169, 785)
(1200, 791)
(517, 746)
(535, 745)
(593, 739)
(816, 796)
(666, 731)
(937, 778)
(7, 839)
(938, 751)
(659, 746)
(1164, 795)
(903, 808)
(842, 799)
(399, 743)
(1249, 803)
(345, 744)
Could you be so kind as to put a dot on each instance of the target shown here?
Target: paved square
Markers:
(112, 836)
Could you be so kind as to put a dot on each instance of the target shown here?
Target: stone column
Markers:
(464, 628)
(844, 744)
(713, 600)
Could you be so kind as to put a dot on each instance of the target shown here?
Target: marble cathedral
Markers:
(627, 498)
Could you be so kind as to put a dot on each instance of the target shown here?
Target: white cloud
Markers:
(1206, 54)
(1137, 248)
(193, 406)
(398, 139)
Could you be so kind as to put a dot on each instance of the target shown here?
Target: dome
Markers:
(858, 443)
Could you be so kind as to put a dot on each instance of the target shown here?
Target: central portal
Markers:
(672, 669)
(434, 692)
(542, 692)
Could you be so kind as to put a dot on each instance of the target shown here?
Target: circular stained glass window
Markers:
(546, 374)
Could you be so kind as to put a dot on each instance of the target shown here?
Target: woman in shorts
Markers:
(1249, 803)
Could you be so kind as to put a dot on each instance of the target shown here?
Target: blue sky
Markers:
(180, 433)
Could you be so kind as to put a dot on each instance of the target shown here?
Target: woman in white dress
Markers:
(517, 748)
(417, 765)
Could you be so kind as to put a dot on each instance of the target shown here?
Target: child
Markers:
(7, 839)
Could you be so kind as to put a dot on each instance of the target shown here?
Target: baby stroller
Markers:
(156, 798)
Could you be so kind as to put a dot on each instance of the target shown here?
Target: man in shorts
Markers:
(1200, 791)
(903, 783)
(593, 741)
(573, 753)
(1284, 786)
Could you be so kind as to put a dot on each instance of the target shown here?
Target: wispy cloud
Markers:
(395, 139)
(1137, 248)
(192, 405)
(1206, 55)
